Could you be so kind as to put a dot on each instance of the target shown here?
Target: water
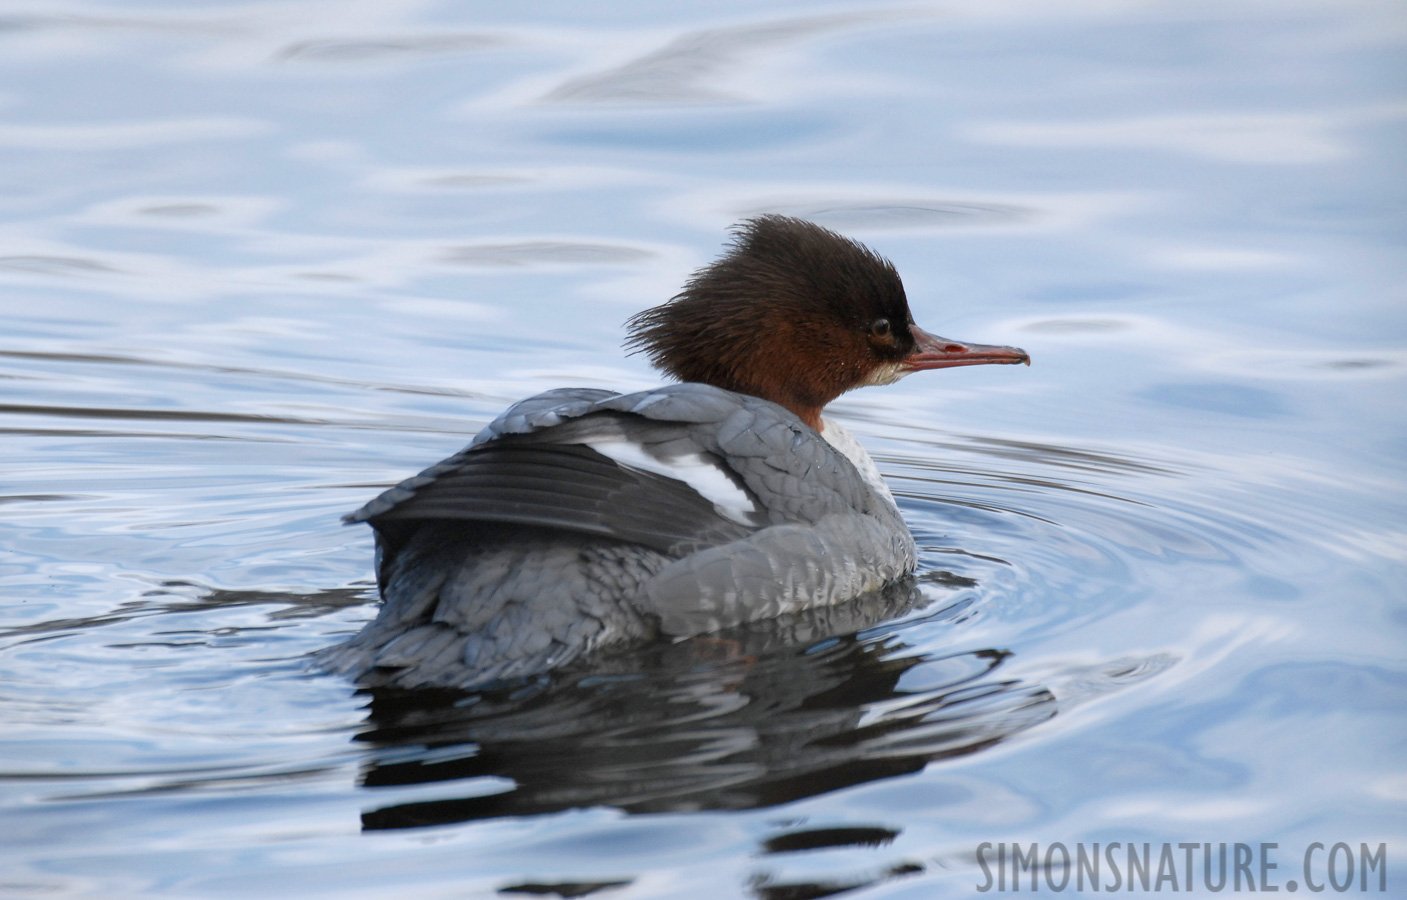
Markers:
(259, 261)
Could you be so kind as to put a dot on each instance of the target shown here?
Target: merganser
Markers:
(583, 518)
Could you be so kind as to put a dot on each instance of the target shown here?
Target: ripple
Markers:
(753, 716)
(291, 605)
(191, 212)
(1055, 536)
(1240, 400)
(124, 135)
(1076, 326)
(564, 888)
(768, 887)
(544, 253)
(38, 498)
(1316, 363)
(382, 49)
(1080, 685)
(260, 373)
(178, 415)
(180, 210)
(689, 68)
(61, 266)
(459, 180)
(1265, 138)
(911, 214)
(823, 838)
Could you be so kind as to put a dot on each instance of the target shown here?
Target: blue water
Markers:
(258, 261)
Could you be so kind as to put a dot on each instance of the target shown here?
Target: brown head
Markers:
(796, 314)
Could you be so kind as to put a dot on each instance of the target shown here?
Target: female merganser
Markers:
(582, 518)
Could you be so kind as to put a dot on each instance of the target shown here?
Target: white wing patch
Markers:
(699, 473)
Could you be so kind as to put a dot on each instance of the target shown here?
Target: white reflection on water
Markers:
(98, 137)
(1299, 139)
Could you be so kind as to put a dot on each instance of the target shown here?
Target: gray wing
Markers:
(538, 465)
(562, 486)
(760, 447)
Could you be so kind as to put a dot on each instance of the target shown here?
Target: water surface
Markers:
(259, 261)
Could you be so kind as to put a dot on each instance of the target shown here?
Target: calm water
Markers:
(259, 260)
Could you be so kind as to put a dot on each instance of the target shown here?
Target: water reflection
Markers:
(878, 213)
(688, 68)
(172, 596)
(260, 258)
(751, 717)
(63, 266)
(388, 48)
(562, 888)
(528, 253)
(764, 888)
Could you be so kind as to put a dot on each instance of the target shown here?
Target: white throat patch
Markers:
(838, 437)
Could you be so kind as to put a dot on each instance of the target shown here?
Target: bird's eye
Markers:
(880, 328)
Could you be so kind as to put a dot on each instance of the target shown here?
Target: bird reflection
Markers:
(755, 716)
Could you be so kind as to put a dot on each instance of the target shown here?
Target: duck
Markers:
(581, 521)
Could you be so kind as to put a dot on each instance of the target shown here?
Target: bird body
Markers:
(580, 518)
